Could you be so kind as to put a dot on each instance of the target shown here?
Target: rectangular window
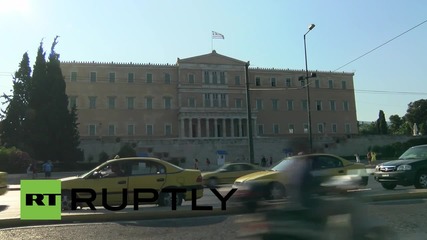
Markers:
(222, 77)
(191, 78)
(92, 130)
(288, 82)
(347, 128)
(344, 85)
(330, 84)
(191, 102)
(206, 77)
(167, 102)
(346, 106)
(112, 77)
(92, 102)
(149, 129)
(319, 105)
(334, 128)
(168, 129)
(73, 76)
(257, 81)
(237, 80)
(332, 105)
(276, 128)
(131, 130)
(111, 102)
(260, 130)
(167, 78)
(72, 102)
(215, 100)
(207, 100)
(304, 105)
(273, 82)
(302, 82)
(317, 83)
(149, 103)
(149, 78)
(305, 127)
(223, 100)
(214, 78)
(258, 104)
(238, 103)
(275, 104)
(320, 128)
(290, 104)
(111, 130)
(131, 77)
(291, 128)
(130, 102)
(92, 76)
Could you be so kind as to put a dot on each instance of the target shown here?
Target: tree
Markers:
(367, 128)
(381, 124)
(417, 112)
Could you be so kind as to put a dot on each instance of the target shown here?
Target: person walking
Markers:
(208, 163)
(369, 157)
(271, 161)
(196, 163)
(373, 157)
(263, 161)
(47, 168)
(357, 158)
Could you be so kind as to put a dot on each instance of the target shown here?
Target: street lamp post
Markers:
(307, 85)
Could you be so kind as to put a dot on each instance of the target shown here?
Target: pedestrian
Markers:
(373, 157)
(263, 161)
(47, 168)
(30, 170)
(208, 163)
(271, 161)
(196, 163)
(369, 157)
(357, 158)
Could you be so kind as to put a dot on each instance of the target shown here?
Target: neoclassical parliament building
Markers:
(205, 97)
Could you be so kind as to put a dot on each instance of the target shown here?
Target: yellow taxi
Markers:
(272, 184)
(228, 173)
(115, 175)
(3, 183)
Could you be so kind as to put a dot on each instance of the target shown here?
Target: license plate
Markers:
(385, 175)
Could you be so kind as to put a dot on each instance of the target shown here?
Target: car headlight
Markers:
(377, 168)
(404, 167)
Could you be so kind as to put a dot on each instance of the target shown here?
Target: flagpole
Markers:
(211, 43)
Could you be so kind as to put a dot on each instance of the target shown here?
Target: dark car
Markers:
(409, 170)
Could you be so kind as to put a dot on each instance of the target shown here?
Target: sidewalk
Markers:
(14, 180)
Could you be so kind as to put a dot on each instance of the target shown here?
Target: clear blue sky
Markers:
(267, 33)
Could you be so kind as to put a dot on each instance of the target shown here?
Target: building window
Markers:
(223, 100)
(333, 106)
(238, 103)
(111, 102)
(191, 102)
(168, 129)
(130, 102)
(317, 83)
(131, 130)
(215, 100)
(112, 77)
(167, 78)
(302, 82)
(257, 81)
(273, 82)
(320, 128)
(347, 128)
(276, 128)
(191, 78)
(222, 77)
(305, 127)
(214, 78)
(275, 104)
(207, 100)
(260, 130)
(330, 84)
(149, 130)
(92, 76)
(92, 102)
(334, 128)
(149, 103)
(304, 105)
(290, 104)
(206, 77)
(344, 85)
(111, 130)
(237, 80)
(319, 105)
(258, 104)
(291, 128)
(149, 78)
(131, 77)
(167, 102)
(288, 82)
(346, 106)
(92, 130)
(72, 102)
(73, 76)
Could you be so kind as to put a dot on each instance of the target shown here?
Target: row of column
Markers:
(214, 127)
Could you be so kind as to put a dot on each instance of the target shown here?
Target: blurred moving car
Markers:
(228, 173)
(410, 169)
(3, 183)
(136, 172)
(272, 184)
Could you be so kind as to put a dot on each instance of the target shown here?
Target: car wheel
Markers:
(66, 200)
(276, 191)
(165, 199)
(388, 186)
(212, 182)
(421, 180)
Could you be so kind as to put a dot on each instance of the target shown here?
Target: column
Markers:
(207, 127)
(190, 130)
(232, 127)
(182, 127)
(199, 128)
(224, 122)
(254, 127)
(240, 128)
(216, 128)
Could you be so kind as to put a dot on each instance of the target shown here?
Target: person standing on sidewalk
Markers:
(369, 157)
(47, 168)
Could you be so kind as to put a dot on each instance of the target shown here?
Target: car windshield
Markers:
(414, 153)
(284, 164)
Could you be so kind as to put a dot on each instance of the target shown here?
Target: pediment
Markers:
(212, 58)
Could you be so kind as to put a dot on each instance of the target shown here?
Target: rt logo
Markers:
(40, 200)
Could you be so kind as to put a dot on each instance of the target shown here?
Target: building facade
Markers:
(204, 97)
